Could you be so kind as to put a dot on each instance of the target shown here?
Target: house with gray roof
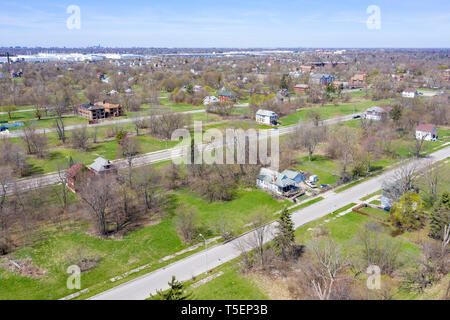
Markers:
(102, 166)
(283, 184)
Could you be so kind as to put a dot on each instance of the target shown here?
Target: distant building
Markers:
(427, 132)
(399, 76)
(210, 100)
(306, 69)
(320, 79)
(409, 93)
(300, 88)
(227, 95)
(377, 113)
(266, 117)
(99, 110)
(358, 80)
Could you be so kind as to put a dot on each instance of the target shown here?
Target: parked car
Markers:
(310, 184)
(357, 116)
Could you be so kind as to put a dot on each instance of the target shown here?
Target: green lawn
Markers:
(56, 253)
(332, 111)
(326, 169)
(237, 212)
(116, 256)
(231, 285)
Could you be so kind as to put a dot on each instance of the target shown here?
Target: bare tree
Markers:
(59, 122)
(36, 142)
(310, 135)
(186, 221)
(321, 268)
(129, 148)
(80, 138)
(432, 174)
(98, 193)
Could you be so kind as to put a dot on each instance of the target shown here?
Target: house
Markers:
(358, 80)
(102, 166)
(99, 110)
(399, 76)
(306, 69)
(377, 113)
(339, 84)
(391, 191)
(409, 93)
(197, 88)
(73, 176)
(210, 100)
(266, 117)
(320, 78)
(282, 94)
(426, 132)
(282, 184)
(227, 95)
(296, 176)
(301, 88)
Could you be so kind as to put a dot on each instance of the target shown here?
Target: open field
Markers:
(331, 111)
(113, 257)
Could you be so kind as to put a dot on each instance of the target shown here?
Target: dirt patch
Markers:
(24, 267)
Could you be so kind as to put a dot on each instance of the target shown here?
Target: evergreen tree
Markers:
(440, 216)
(176, 291)
(285, 238)
(284, 83)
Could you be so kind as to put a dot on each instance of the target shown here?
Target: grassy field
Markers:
(231, 285)
(113, 257)
(326, 169)
(332, 111)
(237, 212)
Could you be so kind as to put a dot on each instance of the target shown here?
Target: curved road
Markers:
(140, 288)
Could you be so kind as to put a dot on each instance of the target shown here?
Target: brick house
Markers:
(300, 88)
(227, 95)
(99, 110)
(358, 80)
(74, 175)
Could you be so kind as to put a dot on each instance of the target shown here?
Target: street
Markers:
(141, 288)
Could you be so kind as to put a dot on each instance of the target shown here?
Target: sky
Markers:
(226, 24)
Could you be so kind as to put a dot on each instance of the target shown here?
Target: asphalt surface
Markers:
(148, 158)
(194, 265)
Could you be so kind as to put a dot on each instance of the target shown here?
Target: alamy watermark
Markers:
(74, 20)
(74, 280)
(236, 147)
(374, 279)
(374, 20)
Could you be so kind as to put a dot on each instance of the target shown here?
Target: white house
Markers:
(409, 93)
(285, 183)
(266, 117)
(377, 113)
(427, 132)
(210, 100)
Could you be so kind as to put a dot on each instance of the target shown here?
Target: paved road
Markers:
(140, 288)
(21, 110)
(148, 158)
(19, 133)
